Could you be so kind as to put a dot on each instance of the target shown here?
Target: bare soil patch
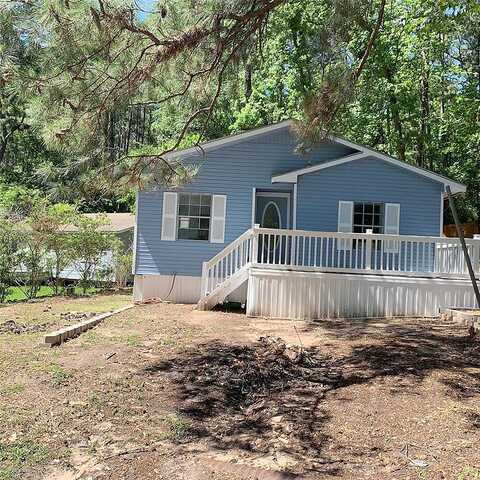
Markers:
(165, 392)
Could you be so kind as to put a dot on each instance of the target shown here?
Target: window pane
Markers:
(194, 210)
(184, 233)
(358, 219)
(203, 234)
(194, 222)
(368, 215)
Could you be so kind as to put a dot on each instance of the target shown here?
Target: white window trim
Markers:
(263, 193)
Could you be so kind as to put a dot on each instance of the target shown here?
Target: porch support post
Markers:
(464, 245)
(255, 243)
(368, 251)
(204, 284)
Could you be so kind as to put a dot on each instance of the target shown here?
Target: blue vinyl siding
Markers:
(232, 170)
(369, 180)
(235, 169)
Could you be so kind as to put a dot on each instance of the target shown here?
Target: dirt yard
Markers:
(166, 392)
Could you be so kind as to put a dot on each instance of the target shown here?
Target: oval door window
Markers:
(271, 216)
(271, 219)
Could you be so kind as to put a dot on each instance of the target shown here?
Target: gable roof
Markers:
(291, 177)
(364, 152)
(231, 139)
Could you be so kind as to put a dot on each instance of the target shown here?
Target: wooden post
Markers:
(204, 284)
(368, 250)
(464, 245)
(255, 240)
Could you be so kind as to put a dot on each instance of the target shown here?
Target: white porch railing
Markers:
(225, 264)
(340, 252)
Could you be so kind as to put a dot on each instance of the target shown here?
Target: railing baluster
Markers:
(268, 248)
(297, 246)
(358, 248)
(368, 253)
(320, 252)
(329, 250)
(332, 253)
(303, 250)
(309, 251)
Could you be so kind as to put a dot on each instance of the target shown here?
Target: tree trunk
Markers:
(423, 137)
(396, 119)
(248, 81)
(3, 150)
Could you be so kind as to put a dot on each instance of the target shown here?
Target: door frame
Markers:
(265, 193)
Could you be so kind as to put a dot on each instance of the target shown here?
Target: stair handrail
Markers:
(231, 246)
(215, 260)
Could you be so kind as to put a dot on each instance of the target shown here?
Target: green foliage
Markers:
(53, 221)
(10, 254)
(18, 454)
(418, 97)
(122, 264)
(60, 377)
(89, 244)
(17, 200)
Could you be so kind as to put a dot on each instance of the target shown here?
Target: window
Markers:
(367, 215)
(194, 216)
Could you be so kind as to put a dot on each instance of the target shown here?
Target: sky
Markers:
(146, 5)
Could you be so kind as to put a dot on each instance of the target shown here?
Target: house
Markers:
(338, 231)
(122, 226)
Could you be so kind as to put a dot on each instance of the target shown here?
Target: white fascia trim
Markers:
(291, 177)
(455, 186)
(212, 145)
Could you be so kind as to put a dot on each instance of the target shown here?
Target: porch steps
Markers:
(221, 292)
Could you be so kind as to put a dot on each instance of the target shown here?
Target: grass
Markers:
(469, 473)
(16, 293)
(60, 377)
(12, 389)
(133, 340)
(177, 427)
(35, 381)
(49, 310)
(16, 455)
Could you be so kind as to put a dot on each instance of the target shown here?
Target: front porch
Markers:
(308, 274)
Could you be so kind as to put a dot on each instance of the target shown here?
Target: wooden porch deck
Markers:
(421, 262)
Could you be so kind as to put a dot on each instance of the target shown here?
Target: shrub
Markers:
(10, 254)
